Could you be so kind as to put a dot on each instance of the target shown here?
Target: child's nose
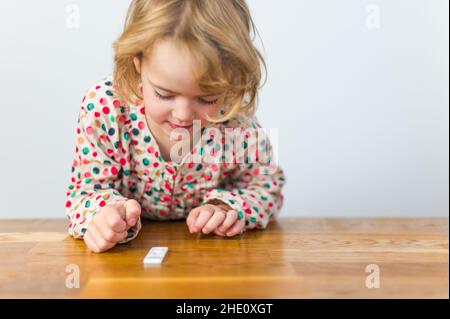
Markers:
(183, 111)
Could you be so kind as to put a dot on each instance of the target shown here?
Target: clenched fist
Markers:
(111, 224)
(217, 218)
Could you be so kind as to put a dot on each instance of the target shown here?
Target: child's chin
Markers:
(168, 129)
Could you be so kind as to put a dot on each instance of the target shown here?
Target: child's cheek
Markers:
(211, 111)
(154, 106)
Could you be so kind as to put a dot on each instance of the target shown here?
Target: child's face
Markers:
(171, 94)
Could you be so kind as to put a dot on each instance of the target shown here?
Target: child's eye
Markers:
(202, 101)
(162, 97)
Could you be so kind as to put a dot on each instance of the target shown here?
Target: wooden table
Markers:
(292, 258)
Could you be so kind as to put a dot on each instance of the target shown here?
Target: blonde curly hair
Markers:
(218, 34)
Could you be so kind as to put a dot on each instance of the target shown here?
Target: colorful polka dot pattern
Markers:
(117, 158)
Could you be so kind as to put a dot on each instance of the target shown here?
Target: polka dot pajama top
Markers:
(117, 158)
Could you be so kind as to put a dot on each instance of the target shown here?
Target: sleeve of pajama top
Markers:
(254, 188)
(97, 166)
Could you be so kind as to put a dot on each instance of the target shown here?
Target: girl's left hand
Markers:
(220, 219)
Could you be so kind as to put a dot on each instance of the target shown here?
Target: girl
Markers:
(180, 65)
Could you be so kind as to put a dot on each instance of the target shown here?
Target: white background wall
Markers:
(362, 112)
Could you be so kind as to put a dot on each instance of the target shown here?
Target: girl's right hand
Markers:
(111, 225)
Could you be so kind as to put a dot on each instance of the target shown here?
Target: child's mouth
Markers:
(174, 126)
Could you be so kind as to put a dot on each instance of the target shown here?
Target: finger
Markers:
(90, 243)
(132, 211)
(230, 219)
(237, 228)
(110, 235)
(205, 214)
(98, 239)
(192, 217)
(217, 218)
(114, 219)
(219, 233)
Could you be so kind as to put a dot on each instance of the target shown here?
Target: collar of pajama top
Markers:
(164, 189)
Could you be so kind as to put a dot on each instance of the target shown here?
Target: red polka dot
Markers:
(68, 203)
(123, 161)
(102, 203)
(103, 101)
(116, 103)
(141, 125)
(106, 110)
(155, 165)
(114, 171)
(90, 130)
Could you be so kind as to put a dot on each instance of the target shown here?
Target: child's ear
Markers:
(137, 64)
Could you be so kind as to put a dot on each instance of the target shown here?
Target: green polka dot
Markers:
(133, 116)
(88, 203)
(241, 214)
(109, 93)
(146, 162)
(126, 136)
(90, 106)
(147, 139)
(96, 170)
(85, 151)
